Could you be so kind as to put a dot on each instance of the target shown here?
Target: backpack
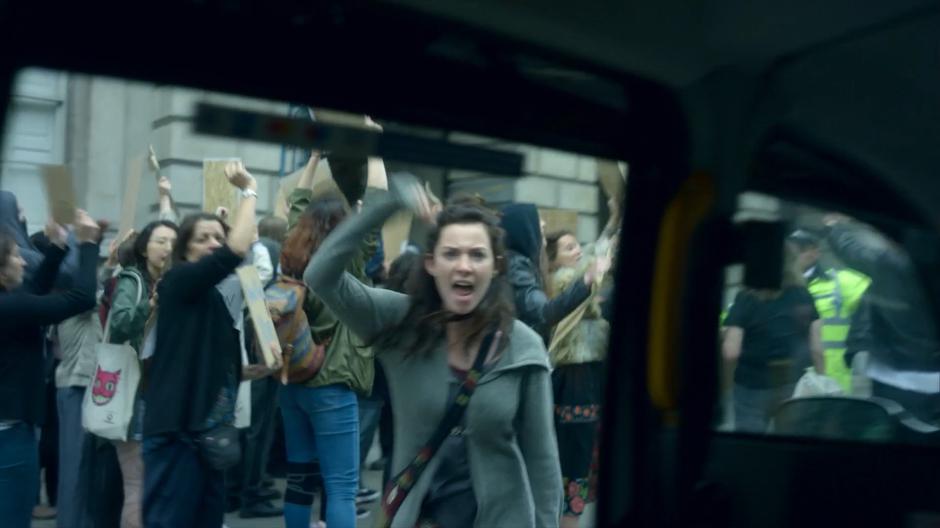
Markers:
(303, 357)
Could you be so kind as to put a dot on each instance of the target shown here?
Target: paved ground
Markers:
(371, 478)
(232, 520)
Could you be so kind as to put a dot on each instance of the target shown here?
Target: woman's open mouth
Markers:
(463, 289)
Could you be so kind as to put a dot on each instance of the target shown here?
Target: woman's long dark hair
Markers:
(188, 229)
(425, 321)
(317, 221)
(401, 269)
(143, 239)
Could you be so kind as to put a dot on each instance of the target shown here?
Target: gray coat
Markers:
(511, 444)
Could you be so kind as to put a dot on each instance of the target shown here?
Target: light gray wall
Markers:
(551, 178)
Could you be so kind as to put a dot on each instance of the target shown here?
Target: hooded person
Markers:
(524, 241)
(11, 221)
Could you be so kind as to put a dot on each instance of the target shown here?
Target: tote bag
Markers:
(108, 406)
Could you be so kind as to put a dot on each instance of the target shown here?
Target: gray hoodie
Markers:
(509, 427)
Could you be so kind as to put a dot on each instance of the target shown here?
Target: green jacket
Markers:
(129, 317)
(348, 361)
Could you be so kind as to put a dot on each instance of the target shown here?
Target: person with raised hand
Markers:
(196, 366)
(25, 308)
(470, 384)
(132, 305)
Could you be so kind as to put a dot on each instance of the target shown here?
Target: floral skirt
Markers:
(578, 393)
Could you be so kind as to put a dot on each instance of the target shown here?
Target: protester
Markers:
(24, 310)
(132, 304)
(193, 376)
(500, 466)
(245, 489)
(577, 352)
(11, 219)
(271, 234)
(771, 336)
(902, 340)
(321, 417)
(74, 340)
(524, 244)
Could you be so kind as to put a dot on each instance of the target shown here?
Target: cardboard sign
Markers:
(135, 170)
(558, 219)
(612, 179)
(260, 318)
(216, 190)
(289, 183)
(60, 193)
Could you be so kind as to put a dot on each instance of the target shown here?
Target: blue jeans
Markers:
(19, 475)
(323, 423)
(71, 447)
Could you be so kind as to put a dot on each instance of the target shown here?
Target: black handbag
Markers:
(220, 447)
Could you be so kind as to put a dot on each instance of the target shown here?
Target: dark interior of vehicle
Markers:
(834, 106)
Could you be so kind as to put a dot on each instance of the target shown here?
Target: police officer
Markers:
(837, 293)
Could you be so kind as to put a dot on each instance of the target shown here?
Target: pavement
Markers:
(371, 479)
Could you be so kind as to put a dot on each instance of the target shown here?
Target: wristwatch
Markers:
(249, 192)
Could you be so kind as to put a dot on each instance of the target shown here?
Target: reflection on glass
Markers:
(847, 348)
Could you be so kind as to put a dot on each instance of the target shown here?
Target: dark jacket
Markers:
(197, 349)
(902, 332)
(859, 338)
(524, 242)
(10, 221)
(23, 313)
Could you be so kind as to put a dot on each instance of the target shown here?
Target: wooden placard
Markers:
(216, 190)
(135, 170)
(289, 183)
(557, 219)
(260, 318)
(611, 178)
(60, 193)
(336, 117)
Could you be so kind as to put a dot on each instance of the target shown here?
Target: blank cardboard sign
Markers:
(60, 193)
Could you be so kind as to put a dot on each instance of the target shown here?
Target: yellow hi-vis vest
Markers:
(837, 294)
